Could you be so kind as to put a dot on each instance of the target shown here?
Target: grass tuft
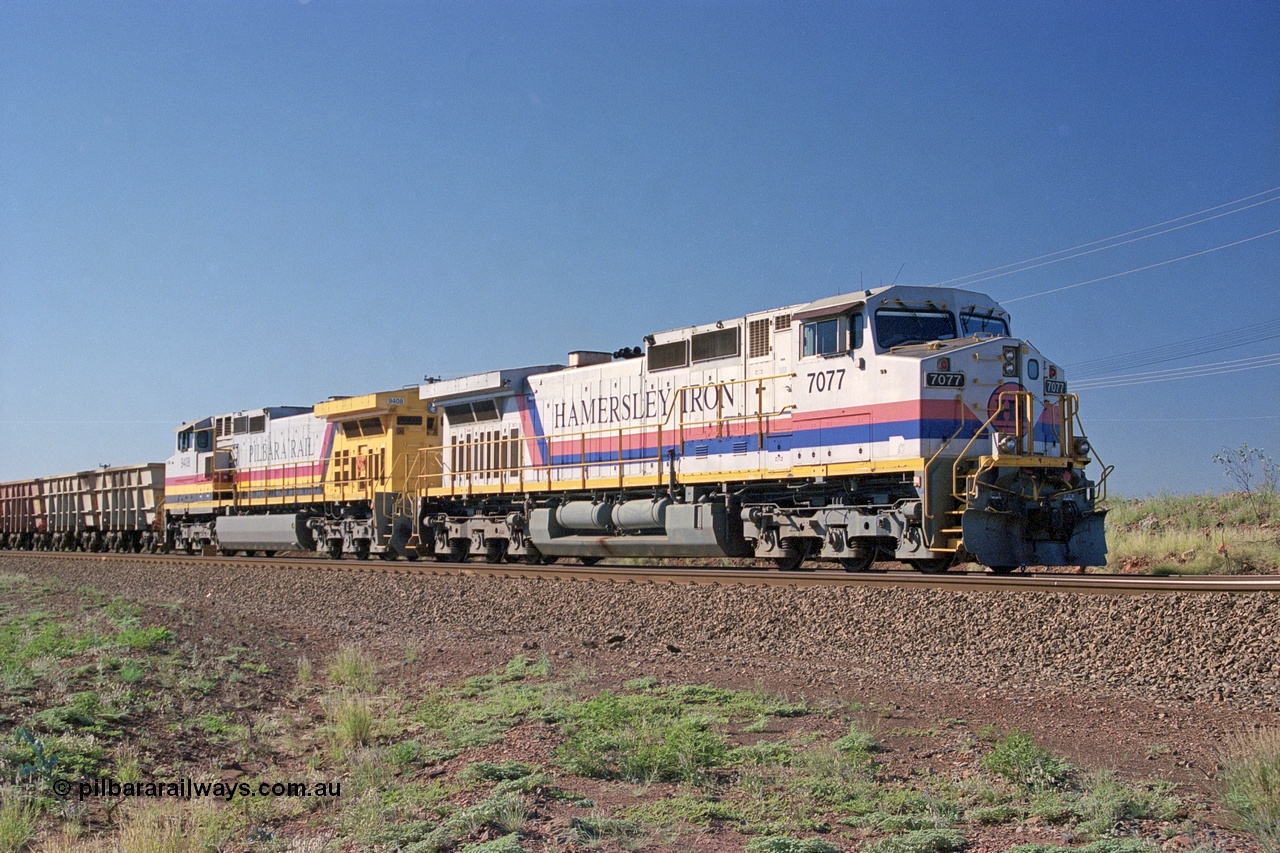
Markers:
(352, 667)
(17, 821)
(351, 720)
(1251, 777)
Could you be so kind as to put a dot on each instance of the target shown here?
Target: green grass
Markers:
(1020, 760)
(419, 774)
(1251, 778)
(919, 841)
(1196, 534)
(1105, 802)
(350, 720)
(352, 667)
(17, 821)
(787, 844)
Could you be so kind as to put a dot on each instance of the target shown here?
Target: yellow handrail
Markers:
(621, 432)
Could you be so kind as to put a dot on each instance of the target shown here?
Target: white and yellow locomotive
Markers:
(901, 423)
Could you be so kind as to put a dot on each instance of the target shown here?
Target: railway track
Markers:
(1103, 584)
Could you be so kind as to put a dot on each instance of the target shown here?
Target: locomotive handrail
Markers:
(924, 479)
(1100, 493)
(501, 473)
(289, 478)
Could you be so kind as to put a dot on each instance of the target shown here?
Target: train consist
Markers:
(900, 423)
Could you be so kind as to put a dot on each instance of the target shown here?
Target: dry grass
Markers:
(1195, 534)
(352, 667)
(1251, 776)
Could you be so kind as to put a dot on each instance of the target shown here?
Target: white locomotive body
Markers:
(898, 423)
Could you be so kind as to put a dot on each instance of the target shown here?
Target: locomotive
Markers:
(897, 423)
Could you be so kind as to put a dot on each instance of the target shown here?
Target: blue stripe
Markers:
(849, 434)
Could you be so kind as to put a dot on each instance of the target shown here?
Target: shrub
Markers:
(787, 844)
(1022, 761)
(920, 841)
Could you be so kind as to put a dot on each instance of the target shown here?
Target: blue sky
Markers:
(210, 206)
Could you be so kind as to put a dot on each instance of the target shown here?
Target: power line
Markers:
(1229, 339)
(999, 271)
(1141, 269)
(1193, 372)
(1182, 420)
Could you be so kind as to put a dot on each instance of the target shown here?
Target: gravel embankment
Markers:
(1202, 646)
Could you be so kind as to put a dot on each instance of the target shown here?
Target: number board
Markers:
(944, 380)
(1055, 386)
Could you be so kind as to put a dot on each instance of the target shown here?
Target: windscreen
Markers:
(897, 327)
(979, 324)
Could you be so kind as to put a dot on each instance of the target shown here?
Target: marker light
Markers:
(944, 364)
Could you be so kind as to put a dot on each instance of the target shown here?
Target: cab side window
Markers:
(822, 337)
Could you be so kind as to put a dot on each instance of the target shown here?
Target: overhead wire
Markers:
(1203, 345)
(1192, 372)
(1031, 263)
(1143, 268)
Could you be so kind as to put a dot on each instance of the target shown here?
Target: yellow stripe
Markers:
(649, 481)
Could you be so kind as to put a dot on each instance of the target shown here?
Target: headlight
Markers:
(1081, 446)
(1010, 357)
(1007, 443)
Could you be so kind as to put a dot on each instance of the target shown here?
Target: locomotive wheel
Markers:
(334, 549)
(858, 564)
(387, 555)
(799, 549)
(362, 549)
(1003, 570)
(495, 551)
(589, 561)
(534, 557)
(458, 550)
(934, 566)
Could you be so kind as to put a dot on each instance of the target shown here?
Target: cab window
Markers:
(822, 337)
(983, 324)
(896, 327)
(184, 441)
(204, 440)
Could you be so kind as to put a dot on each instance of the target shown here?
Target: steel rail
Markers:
(1103, 584)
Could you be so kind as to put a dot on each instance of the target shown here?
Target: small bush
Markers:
(505, 844)
(920, 841)
(1106, 802)
(858, 742)
(787, 844)
(594, 829)
(503, 812)
(1022, 761)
